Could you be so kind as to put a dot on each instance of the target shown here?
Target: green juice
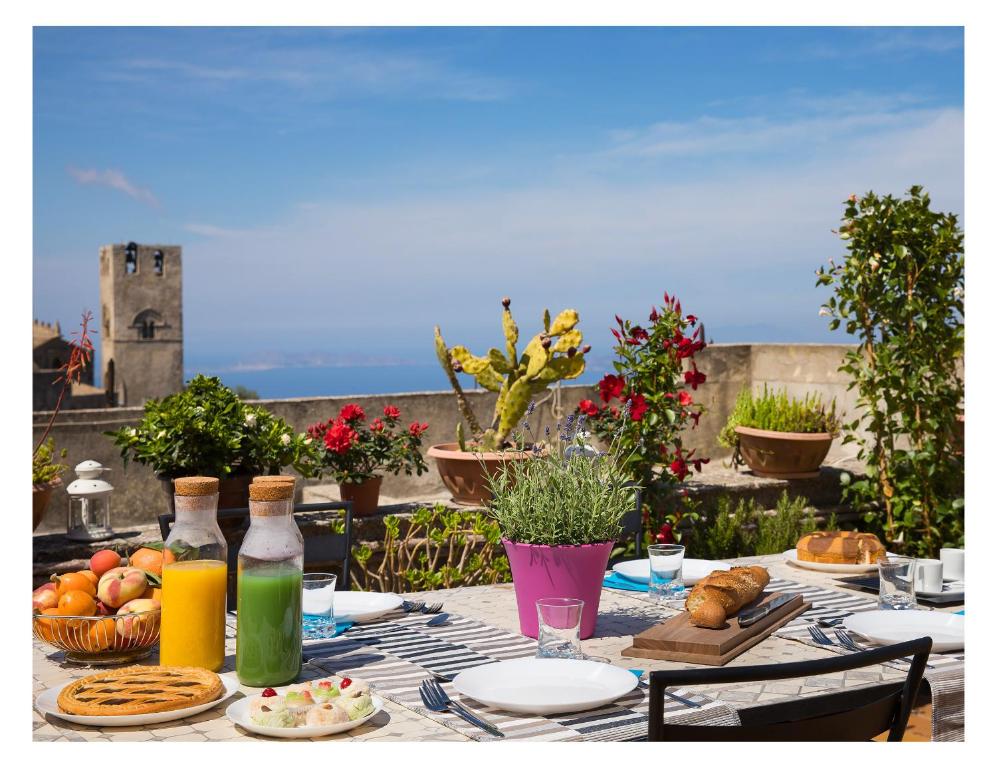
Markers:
(268, 626)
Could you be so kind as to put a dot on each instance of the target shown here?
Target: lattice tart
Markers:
(140, 690)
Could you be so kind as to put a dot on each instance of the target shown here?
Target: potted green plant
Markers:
(357, 451)
(780, 436)
(44, 478)
(208, 430)
(553, 354)
(560, 515)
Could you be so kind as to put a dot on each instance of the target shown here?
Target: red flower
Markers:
(377, 425)
(391, 412)
(340, 437)
(611, 386)
(694, 415)
(665, 535)
(653, 317)
(352, 412)
(685, 398)
(637, 335)
(638, 407)
(694, 378)
(317, 430)
(679, 468)
(416, 429)
(588, 408)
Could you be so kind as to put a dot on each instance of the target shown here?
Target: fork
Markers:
(431, 608)
(818, 636)
(412, 605)
(436, 700)
(846, 640)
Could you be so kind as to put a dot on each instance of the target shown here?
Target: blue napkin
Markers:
(961, 613)
(615, 581)
(309, 633)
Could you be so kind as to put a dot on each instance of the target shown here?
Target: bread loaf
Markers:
(840, 547)
(723, 593)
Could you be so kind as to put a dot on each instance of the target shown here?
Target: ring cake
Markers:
(840, 547)
(140, 690)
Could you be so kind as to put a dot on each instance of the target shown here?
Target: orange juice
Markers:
(193, 614)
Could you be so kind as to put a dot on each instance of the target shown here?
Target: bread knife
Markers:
(750, 616)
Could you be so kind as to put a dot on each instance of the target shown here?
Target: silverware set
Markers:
(845, 641)
(436, 700)
(412, 606)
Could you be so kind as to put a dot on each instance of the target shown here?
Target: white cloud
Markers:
(115, 180)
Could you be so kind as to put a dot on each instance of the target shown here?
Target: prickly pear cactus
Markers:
(554, 354)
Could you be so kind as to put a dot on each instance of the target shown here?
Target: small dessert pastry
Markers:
(298, 703)
(353, 688)
(324, 691)
(280, 719)
(326, 714)
(300, 687)
(356, 707)
(272, 704)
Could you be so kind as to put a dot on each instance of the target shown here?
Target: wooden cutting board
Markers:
(678, 640)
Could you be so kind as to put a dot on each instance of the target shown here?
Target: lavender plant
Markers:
(569, 493)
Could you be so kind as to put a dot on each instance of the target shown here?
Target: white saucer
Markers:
(692, 570)
(363, 606)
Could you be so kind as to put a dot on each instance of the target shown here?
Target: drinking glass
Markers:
(317, 591)
(560, 619)
(666, 571)
(896, 584)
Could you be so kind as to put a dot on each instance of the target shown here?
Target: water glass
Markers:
(560, 620)
(896, 584)
(666, 571)
(317, 591)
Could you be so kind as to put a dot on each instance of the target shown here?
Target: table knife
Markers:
(751, 615)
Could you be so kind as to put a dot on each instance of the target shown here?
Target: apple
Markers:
(103, 561)
(141, 619)
(119, 585)
(46, 596)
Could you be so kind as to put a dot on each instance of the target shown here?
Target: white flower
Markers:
(285, 439)
(308, 441)
(250, 419)
(133, 432)
(957, 292)
(161, 435)
(823, 312)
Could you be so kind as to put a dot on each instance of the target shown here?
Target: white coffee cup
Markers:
(953, 563)
(928, 576)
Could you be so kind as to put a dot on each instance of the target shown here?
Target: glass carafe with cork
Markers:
(271, 562)
(195, 576)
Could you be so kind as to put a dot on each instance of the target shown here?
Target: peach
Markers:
(119, 585)
(140, 619)
(103, 561)
(46, 596)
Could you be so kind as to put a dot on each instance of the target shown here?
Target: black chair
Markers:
(850, 715)
(328, 547)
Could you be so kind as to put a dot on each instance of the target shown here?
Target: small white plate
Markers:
(951, 589)
(238, 713)
(545, 686)
(363, 606)
(692, 570)
(47, 703)
(946, 630)
(790, 555)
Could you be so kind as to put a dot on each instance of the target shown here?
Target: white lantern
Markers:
(89, 504)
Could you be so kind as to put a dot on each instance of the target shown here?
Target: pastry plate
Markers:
(790, 555)
(946, 630)
(692, 570)
(545, 686)
(363, 606)
(47, 704)
(238, 713)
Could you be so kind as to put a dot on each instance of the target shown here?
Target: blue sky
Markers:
(338, 192)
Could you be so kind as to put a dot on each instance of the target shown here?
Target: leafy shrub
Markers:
(440, 548)
(779, 412)
(44, 469)
(746, 529)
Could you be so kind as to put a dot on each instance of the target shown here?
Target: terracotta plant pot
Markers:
(463, 474)
(363, 495)
(40, 496)
(540, 571)
(783, 455)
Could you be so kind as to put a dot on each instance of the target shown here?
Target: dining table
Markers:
(396, 651)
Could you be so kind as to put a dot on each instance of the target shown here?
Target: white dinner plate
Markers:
(692, 570)
(47, 703)
(790, 555)
(545, 686)
(363, 606)
(238, 713)
(946, 630)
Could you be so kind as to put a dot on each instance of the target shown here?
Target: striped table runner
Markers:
(398, 653)
(946, 676)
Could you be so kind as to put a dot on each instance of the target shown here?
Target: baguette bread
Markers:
(723, 593)
(840, 547)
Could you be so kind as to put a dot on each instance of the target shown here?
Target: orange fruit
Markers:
(153, 593)
(76, 602)
(151, 560)
(100, 635)
(69, 582)
(92, 576)
(47, 626)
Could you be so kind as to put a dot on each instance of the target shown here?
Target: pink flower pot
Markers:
(562, 571)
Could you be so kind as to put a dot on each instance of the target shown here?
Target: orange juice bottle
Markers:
(194, 587)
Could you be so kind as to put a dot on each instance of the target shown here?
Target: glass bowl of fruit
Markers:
(113, 619)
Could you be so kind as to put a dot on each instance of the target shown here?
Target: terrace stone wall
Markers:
(138, 496)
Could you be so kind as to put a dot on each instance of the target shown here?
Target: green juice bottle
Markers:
(268, 610)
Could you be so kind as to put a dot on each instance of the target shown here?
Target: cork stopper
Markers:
(271, 491)
(195, 486)
(274, 479)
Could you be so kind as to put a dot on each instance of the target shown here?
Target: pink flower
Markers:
(352, 412)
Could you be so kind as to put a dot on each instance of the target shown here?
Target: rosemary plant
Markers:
(777, 411)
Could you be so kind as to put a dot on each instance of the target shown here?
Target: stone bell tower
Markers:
(141, 322)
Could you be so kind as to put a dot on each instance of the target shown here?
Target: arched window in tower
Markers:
(157, 262)
(131, 259)
(146, 322)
